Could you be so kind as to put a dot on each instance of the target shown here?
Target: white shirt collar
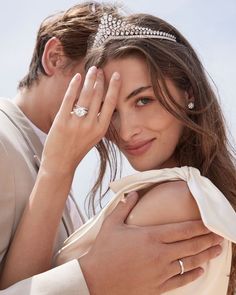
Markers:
(41, 135)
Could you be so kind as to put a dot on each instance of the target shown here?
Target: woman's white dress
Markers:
(216, 213)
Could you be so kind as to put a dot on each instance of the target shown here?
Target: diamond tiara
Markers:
(113, 28)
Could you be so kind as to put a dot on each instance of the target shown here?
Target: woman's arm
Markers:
(31, 250)
(168, 202)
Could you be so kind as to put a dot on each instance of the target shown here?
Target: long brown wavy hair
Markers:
(204, 142)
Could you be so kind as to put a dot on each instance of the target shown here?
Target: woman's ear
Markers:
(190, 99)
(53, 56)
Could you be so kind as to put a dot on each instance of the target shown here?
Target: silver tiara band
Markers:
(111, 28)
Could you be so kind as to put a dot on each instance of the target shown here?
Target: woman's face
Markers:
(147, 133)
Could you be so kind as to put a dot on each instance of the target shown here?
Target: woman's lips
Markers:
(139, 148)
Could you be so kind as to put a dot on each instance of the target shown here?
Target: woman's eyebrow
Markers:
(137, 91)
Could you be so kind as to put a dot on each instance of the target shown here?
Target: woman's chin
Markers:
(142, 167)
(145, 166)
(151, 161)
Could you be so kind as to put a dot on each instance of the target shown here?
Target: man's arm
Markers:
(7, 201)
(126, 260)
(62, 280)
(135, 260)
(66, 279)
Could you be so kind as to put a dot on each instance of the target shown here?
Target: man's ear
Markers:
(53, 56)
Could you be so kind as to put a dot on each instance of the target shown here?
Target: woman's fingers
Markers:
(98, 93)
(91, 96)
(110, 100)
(87, 92)
(70, 95)
(82, 123)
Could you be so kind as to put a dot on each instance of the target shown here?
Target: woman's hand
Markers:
(71, 137)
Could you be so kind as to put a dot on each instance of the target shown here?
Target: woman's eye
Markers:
(143, 101)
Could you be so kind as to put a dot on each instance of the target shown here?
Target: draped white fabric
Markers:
(216, 213)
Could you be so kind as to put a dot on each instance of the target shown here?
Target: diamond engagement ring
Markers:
(181, 264)
(79, 111)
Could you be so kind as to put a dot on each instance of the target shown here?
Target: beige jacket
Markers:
(216, 213)
(20, 153)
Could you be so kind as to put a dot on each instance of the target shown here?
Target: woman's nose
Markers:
(129, 126)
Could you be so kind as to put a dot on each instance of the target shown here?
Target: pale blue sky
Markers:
(208, 24)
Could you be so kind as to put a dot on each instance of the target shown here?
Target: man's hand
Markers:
(136, 260)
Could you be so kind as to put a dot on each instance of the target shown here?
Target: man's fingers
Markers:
(70, 95)
(181, 280)
(192, 262)
(195, 245)
(122, 210)
(174, 232)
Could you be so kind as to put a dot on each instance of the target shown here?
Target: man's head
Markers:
(60, 48)
(70, 31)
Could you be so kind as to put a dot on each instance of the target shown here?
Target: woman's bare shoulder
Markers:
(165, 203)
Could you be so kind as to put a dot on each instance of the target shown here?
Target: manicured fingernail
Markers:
(77, 76)
(93, 70)
(116, 76)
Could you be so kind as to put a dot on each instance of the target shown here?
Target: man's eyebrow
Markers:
(137, 91)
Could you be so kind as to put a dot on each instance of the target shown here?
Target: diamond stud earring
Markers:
(191, 105)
